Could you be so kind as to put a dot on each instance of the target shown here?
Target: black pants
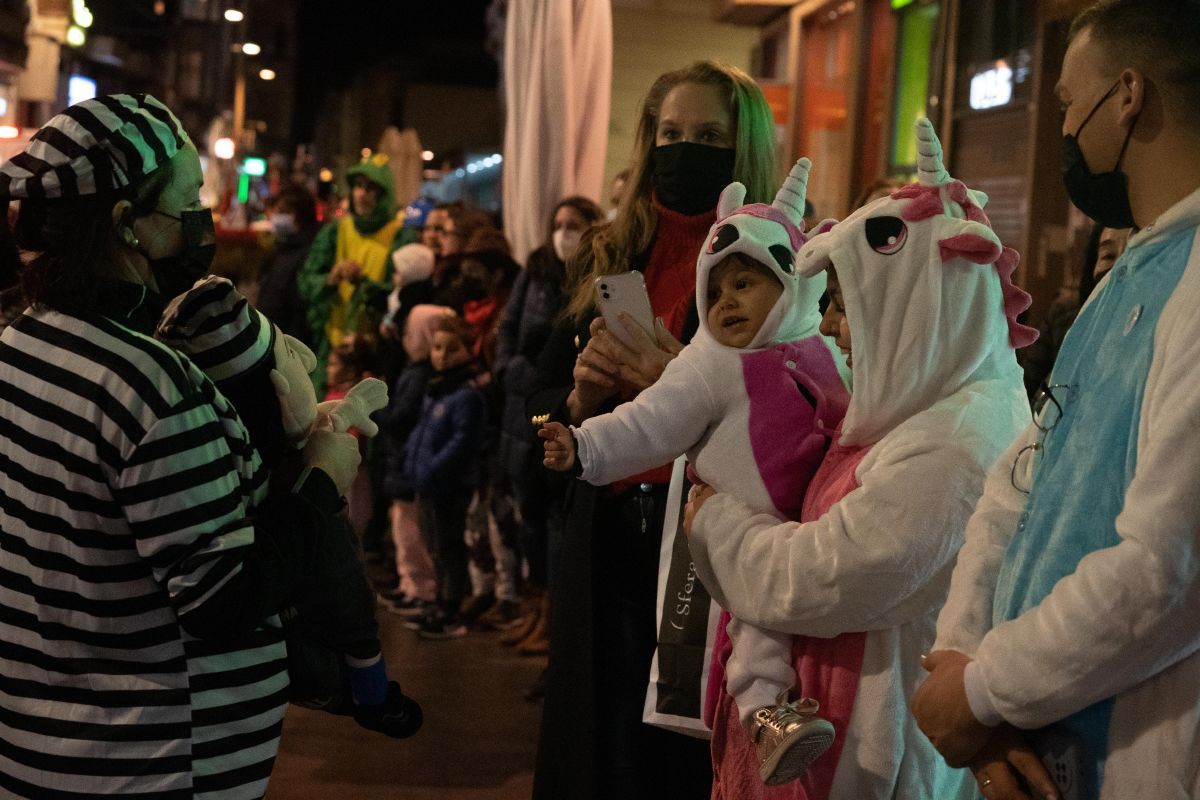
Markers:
(442, 518)
(593, 742)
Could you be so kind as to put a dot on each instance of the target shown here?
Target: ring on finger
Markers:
(985, 782)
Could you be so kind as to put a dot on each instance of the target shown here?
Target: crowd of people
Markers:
(943, 572)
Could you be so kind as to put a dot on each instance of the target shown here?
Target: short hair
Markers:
(457, 326)
(1158, 37)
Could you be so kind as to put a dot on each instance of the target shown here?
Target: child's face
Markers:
(337, 372)
(447, 351)
(741, 293)
(834, 324)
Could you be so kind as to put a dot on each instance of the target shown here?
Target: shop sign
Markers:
(992, 87)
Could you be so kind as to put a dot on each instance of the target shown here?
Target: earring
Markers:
(130, 239)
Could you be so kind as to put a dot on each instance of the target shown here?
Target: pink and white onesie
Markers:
(754, 421)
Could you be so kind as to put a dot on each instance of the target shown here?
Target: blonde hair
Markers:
(609, 248)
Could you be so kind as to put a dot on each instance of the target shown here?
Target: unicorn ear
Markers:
(980, 198)
(973, 242)
(790, 198)
(732, 198)
(931, 170)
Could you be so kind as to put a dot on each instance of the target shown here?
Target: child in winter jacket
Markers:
(264, 373)
(416, 588)
(755, 399)
(442, 460)
(925, 307)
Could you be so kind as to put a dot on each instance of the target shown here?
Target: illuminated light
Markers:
(255, 166)
(3, 106)
(233, 15)
(243, 189)
(899, 4)
(266, 74)
(75, 36)
(160, 8)
(460, 172)
(223, 148)
(472, 168)
(326, 175)
(81, 14)
(427, 155)
(9, 131)
(251, 49)
(992, 87)
(79, 89)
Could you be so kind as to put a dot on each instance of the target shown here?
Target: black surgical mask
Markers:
(176, 274)
(688, 177)
(1103, 196)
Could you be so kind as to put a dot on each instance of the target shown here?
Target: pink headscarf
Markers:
(418, 329)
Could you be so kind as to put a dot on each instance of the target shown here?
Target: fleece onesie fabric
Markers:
(755, 421)
(937, 396)
(1078, 602)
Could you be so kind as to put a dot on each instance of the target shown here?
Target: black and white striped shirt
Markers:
(125, 485)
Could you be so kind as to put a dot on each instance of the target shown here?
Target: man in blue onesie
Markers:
(1073, 609)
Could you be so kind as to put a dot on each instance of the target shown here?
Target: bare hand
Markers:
(595, 376)
(642, 365)
(999, 761)
(559, 446)
(696, 497)
(942, 712)
(345, 271)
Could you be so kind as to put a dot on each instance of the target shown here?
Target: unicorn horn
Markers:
(931, 171)
(790, 199)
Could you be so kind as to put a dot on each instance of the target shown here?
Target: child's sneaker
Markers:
(399, 716)
(788, 738)
(440, 626)
(501, 616)
(408, 607)
(419, 617)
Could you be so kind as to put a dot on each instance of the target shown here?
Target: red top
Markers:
(671, 283)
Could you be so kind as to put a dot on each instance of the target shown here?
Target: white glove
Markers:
(355, 409)
(297, 399)
(336, 454)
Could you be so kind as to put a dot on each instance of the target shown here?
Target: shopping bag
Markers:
(687, 625)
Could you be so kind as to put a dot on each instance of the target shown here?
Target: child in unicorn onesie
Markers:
(753, 400)
(924, 307)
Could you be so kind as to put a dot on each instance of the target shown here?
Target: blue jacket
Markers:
(443, 452)
(396, 423)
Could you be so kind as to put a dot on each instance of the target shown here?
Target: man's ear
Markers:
(122, 220)
(1133, 82)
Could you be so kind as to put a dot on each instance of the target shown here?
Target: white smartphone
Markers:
(625, 291)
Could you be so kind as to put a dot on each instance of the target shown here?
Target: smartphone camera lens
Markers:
(604, 286)
(606, 295)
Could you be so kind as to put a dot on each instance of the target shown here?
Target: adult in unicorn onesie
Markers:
(924, 308)
(753, 400)
(1072, 613)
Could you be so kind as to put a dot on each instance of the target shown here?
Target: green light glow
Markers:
(243, 189)
(254, 166)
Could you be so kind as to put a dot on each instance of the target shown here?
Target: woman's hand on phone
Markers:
(642, 365)
(596, 374)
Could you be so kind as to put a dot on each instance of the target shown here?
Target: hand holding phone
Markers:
(624, 292)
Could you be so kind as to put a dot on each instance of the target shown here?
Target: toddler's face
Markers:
(834, 324)
(337, 372)
(447, 351)
(741, 293)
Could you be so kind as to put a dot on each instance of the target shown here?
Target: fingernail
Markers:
(924, 656)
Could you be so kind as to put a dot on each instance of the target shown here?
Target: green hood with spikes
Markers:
(375, 169)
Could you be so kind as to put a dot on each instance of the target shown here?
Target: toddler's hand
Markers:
(559, 446)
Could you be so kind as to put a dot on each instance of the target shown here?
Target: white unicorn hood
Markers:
(771, 235)
(929, 296)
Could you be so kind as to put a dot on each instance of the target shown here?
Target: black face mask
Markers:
(688, 178)
(176, 274)
(1103, 196)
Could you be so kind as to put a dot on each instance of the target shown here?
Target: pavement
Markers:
(478, 741)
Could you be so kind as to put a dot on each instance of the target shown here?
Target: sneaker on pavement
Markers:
(389, 596)
(475, 606)
(788, 738)
(408, 607)
(440, 626)
(399, 716)
(423, 615)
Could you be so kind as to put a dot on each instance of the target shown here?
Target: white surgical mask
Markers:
(565, 242)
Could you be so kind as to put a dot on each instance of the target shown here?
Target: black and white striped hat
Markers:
(215, 326)
(96, 146)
